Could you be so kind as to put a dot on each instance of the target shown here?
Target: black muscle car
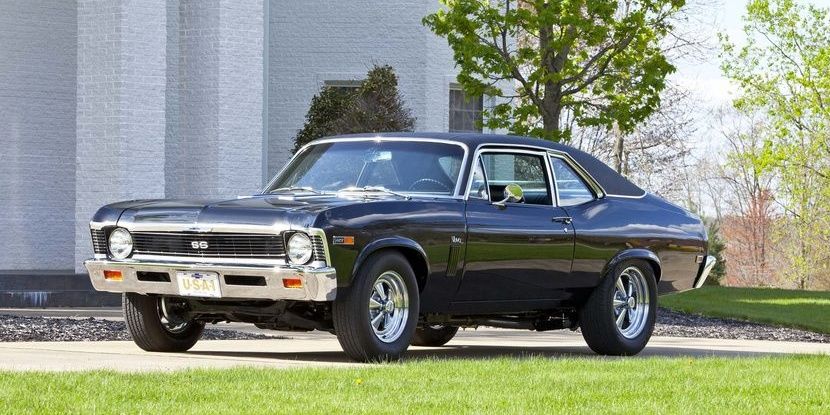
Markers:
(396, 239)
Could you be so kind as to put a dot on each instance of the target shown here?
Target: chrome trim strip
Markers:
(629, 197)
(594, 187)
(101, 225)
(456, 192)
(554, 189)
(707, 269)
(318, 284)
(141, 258)
(275, 229)
(322, 234)
(250, 229)
(599, 192)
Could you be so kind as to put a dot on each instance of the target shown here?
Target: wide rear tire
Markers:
(150, 329)
(376, 316)
(434, 336)
(619, 316)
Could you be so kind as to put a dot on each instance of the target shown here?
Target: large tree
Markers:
(374, 106)
(783, 71)
(597, 62)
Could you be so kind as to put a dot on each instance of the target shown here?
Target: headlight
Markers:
(121, 243)
(299, 248)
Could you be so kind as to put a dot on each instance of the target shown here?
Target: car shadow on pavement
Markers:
(479, 352)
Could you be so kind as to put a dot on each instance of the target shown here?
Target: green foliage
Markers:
(323, 117)
(374, 106)
(784, 73)
(592, 63)
(716, 248)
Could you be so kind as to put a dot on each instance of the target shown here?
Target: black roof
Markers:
(612, 182)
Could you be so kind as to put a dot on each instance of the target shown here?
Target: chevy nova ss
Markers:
(396, 239)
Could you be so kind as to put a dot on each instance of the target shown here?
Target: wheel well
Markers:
(658, 272)
(415, 259)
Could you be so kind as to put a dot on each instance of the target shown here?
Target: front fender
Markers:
(636, 253)
(399, 242)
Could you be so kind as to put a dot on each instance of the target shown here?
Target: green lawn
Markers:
(808, 310)
(504, 386)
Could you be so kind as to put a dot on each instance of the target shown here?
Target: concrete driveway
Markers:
(321, 349)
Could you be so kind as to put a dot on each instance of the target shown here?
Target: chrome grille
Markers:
(319, 248)
(99, 241)
(209, 245)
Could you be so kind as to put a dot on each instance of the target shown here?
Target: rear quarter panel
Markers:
(610, 226)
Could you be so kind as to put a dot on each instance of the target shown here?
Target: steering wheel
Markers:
(429, 181)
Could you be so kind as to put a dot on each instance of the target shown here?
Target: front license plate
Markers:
(198, 284)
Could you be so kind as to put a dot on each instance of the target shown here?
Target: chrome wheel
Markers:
(170, 321)
(631, 302)
(389, 307)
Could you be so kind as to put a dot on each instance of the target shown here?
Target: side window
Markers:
(526, 170)
(478, 184)
(571, 188)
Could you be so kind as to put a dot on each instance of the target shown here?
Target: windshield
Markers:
(398, 166)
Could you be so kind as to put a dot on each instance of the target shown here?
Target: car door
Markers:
(593, 221)
(516, 252)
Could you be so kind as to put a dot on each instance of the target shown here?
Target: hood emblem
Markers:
(200, 229)
(199, 245)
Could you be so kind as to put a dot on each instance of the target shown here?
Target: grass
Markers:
(809, 310)
(795, 384)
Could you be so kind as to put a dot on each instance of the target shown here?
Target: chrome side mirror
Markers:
(513, 193)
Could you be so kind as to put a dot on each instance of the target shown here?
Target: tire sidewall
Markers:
(148, 332)
(636, 344)
(358, 303)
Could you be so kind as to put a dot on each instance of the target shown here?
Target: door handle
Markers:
(563, 219)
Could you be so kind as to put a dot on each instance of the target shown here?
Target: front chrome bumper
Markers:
(319, 284)
(707, 269)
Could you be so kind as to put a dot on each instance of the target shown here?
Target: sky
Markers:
(705, 78)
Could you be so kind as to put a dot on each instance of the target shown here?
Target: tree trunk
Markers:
(550, 116)
(619, 144)
(552, 96)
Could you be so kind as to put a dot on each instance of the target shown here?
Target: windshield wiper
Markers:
(296, 188)
(375, 189)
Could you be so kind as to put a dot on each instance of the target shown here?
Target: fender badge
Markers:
(342, 240)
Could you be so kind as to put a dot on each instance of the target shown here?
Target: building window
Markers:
(344, 86)
(465, 112)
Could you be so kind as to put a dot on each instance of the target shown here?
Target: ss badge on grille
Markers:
(199, 244)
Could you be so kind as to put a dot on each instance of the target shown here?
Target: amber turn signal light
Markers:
(113, 275)
(292, 283)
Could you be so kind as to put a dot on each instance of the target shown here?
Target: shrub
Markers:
(374, 106)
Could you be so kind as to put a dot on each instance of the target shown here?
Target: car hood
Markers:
(245, 213)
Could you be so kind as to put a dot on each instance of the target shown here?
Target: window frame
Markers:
(589, 184)
(457, 193)
(513, 150)
(457, 88)
(478, 162)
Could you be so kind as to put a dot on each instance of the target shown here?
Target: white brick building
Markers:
(106, 100)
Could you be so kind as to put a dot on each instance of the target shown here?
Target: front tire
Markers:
(619, 316)
(434, 335)
(154, 327)
(376, 316)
